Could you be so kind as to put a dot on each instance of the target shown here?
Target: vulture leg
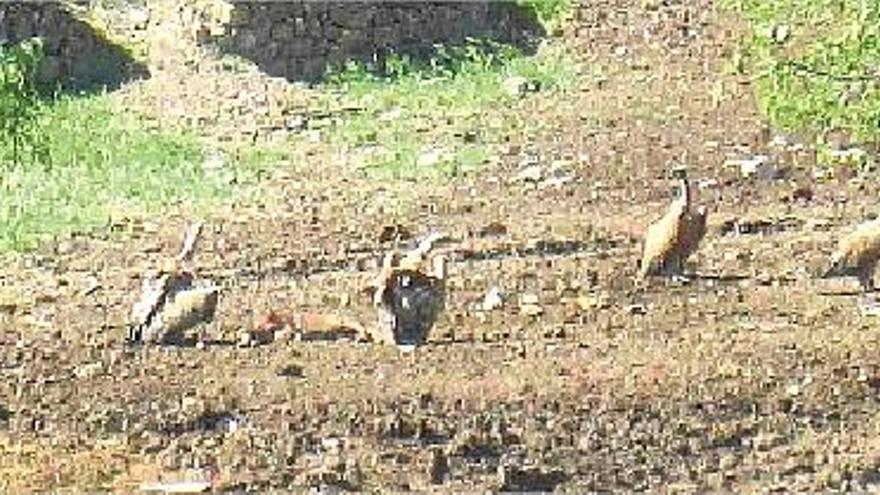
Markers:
(865, 276)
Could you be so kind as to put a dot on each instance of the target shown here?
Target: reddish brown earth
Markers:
(752, 378)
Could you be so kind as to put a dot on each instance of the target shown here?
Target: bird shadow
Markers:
(695, 278)
(344, 334)
(714, 277)
(844, 293)
(215, 342)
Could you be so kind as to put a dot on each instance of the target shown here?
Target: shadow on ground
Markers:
(299, 40)
(77, 57)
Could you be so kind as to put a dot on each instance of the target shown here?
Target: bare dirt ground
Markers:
(749, 379)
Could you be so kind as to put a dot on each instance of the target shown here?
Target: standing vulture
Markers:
(857, 254)
(674, 237)
(408, 297)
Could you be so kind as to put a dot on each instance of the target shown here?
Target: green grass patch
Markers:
(816, 63)
(439, 118)
(104, 165)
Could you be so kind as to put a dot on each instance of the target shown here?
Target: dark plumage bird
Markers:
(409, 299)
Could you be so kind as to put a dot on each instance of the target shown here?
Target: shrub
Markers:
(20, 101)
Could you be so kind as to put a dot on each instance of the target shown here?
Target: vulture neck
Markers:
(683, 202)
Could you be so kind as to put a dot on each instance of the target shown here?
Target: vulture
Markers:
(857, 254)
(171, 301)
(410, 298)
(674, 237)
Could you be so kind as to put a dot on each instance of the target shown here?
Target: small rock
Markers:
(297, 123)
(848, 156)
(728, 461)
(291, 371)
(89, 370)
(493, 229)
(766, 441)
(780, 141)
(514, 85)
(493, 299)
(91, 285)
(529, 479)
(764, 278)
(803, 193)
(636, 309)
(529, 299)
(255, 336)
(331, 444)
(531, 310)
(593, 302)
(531, 173)
(64, 247)
(48, 296)
(870, 309)
(8, 307)
(394, 232)
(556, 181)
(823, 173)
(214, 161)
(139, 17)
(177, 487)
(758, 166)
(529, 305)
(519, 86)
(781, 33)
(390, 115)
(429, 158)
(708, 184)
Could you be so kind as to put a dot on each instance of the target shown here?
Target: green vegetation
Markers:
(816, 62)
(438, 118)
(105, 166)
(551, 13)
(101, 163)
(73, 163)
(97, 164)
(20, 101)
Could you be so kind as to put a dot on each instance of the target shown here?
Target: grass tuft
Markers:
(440, 118)
(104, 166)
